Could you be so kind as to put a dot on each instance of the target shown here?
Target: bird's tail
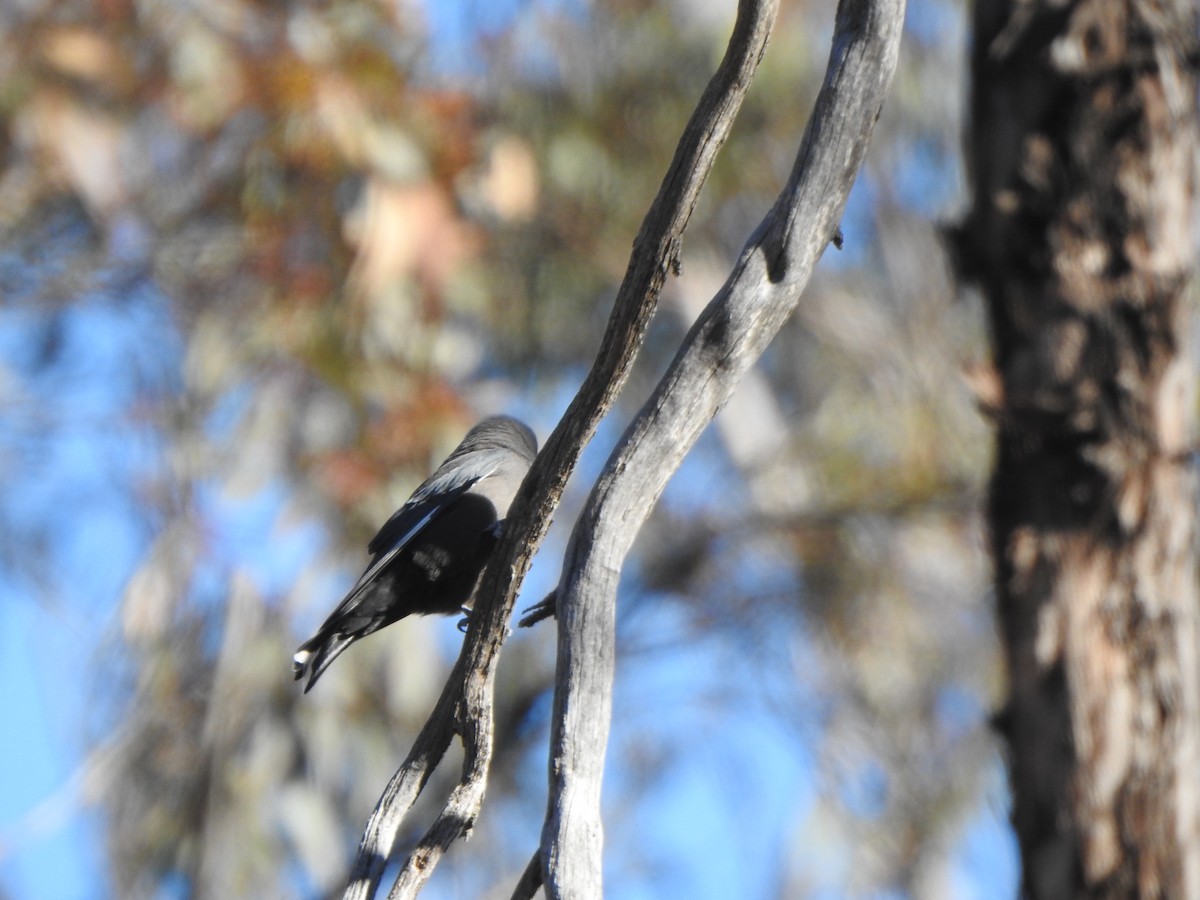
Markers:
(315, 655)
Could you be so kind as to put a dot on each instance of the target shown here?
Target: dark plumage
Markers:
(428, 556)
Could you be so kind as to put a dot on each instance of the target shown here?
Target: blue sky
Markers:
(68, 461)
(87, 462)
(71, 460)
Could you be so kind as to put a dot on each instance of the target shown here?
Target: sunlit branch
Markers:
(729, 336)
(465, 706)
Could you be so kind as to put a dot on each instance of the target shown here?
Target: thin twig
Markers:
(531, 879)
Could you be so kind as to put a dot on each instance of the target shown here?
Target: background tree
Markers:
(262, 265)
(1082, 235)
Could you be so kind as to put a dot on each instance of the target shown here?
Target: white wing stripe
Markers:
(396, 548)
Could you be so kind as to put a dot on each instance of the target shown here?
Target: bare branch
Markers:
(725, 341)
(465, 705)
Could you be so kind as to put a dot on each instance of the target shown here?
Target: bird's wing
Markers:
(409, 519)
(435, 494)
(426, 503)
(401, 528)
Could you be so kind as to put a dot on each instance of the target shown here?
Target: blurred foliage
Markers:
(351, 247)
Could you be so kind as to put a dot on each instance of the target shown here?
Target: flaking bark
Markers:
(1082, 237)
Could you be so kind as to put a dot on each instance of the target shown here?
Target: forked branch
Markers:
(729, 336)
(466, 704)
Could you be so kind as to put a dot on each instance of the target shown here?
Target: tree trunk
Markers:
(1082, 237)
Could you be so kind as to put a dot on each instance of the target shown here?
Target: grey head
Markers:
(498, 433)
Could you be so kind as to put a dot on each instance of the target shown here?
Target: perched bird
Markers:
(428, 556)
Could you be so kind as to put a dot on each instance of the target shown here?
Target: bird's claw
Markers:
(465, 621)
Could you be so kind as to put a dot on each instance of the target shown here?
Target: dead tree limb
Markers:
(729, 336)
(465, 706)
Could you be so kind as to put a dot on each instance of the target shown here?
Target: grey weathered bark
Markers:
(1083, 238)
(729, 336)
(465, 706)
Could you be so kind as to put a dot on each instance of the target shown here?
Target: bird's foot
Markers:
(465, 622)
